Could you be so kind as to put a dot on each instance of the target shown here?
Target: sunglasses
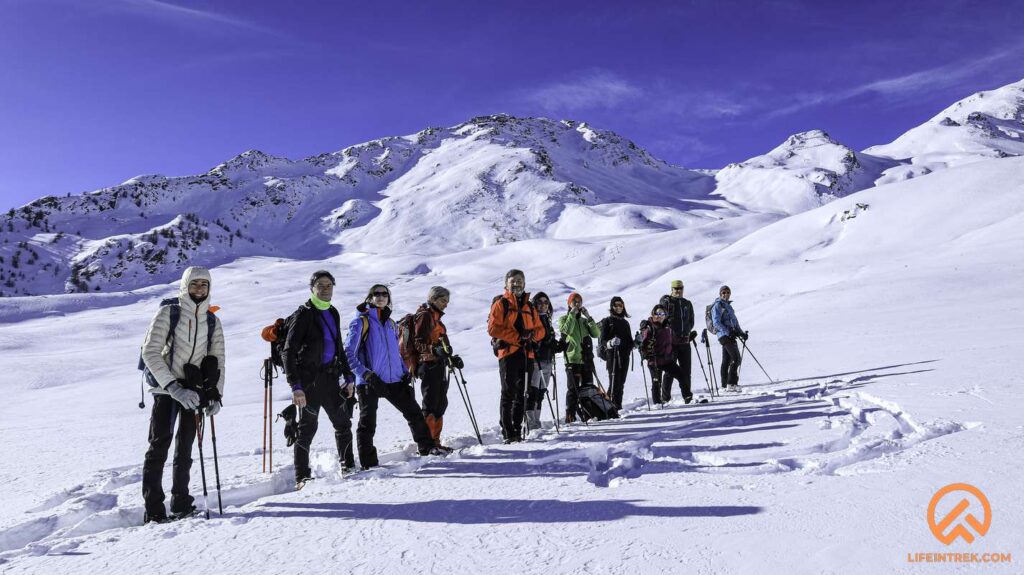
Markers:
(380, 294)
(660, 314)
(323, 286)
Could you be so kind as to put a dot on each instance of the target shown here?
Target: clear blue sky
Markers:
(95, 92)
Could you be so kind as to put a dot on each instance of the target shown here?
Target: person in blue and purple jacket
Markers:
(374, 355)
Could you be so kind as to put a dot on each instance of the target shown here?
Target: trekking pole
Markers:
(270, 432)
(216, 467)
(701, 362)
(647, 392)
(598, 380)
(758, 363)
(554, 383)
(526, 390)
(464, 392)
(552, 408)
(266, 395)
(613, 374)
(711, 362)
(202, 465)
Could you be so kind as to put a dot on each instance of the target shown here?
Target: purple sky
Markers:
(95, 92)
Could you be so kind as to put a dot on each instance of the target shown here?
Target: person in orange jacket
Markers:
(515, 329)
(435, 355)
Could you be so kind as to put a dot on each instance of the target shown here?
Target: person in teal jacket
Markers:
(727, 329)
(578, 330)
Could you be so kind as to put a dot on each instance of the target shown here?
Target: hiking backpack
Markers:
(277, 334)
(407, 344)
(645, 340)
(175, 311)
(709, 322)
(497, 344)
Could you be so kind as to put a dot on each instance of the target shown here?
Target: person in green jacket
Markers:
(578, 330)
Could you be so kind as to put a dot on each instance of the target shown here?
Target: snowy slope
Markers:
(890, 334)
(982, 126)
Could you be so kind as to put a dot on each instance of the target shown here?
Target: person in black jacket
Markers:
(680, 320)
(315, 362)
(616, 345)
(542, 368)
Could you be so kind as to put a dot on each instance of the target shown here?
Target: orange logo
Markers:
(939, 527)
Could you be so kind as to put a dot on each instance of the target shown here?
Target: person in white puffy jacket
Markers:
(197, 333)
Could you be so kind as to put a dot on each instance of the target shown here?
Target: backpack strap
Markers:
(175, 317)
(211, 326)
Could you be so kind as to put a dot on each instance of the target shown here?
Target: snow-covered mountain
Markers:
(808, 170)
(492, 180)
(489, 181)
(982, 126)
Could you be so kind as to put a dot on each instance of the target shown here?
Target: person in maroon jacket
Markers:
(663, 360)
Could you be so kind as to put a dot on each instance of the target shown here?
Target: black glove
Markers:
(374, 381)
(693, 335)
(457, 362)
(407, 378)
(743, 335)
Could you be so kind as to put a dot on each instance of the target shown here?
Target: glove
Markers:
(614, 342)
(742, 335)
(374, 381)
(186, 397)
(527, 336)
(457, 362)
(407, 378)
(348, 390)
(213, 408)
(693, 335)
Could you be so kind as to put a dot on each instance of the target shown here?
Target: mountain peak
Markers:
(982, 126)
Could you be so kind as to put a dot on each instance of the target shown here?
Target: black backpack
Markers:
(645, 340)
(277, 334)
(497, 344)
(175, 310)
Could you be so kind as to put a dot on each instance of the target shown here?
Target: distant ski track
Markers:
(853, 426)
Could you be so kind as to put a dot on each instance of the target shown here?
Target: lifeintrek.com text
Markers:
(959, 557)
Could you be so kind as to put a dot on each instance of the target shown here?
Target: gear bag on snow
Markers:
(595, 405)
(175, 311)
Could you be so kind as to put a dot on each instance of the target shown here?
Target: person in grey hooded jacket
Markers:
(166, 352)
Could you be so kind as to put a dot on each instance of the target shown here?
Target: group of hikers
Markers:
(380, 358)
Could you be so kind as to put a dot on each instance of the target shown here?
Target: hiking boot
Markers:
(185, 513)
(155, 518)
(300, 483)
(688, 399)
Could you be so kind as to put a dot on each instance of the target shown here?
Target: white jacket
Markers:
(190, 336)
